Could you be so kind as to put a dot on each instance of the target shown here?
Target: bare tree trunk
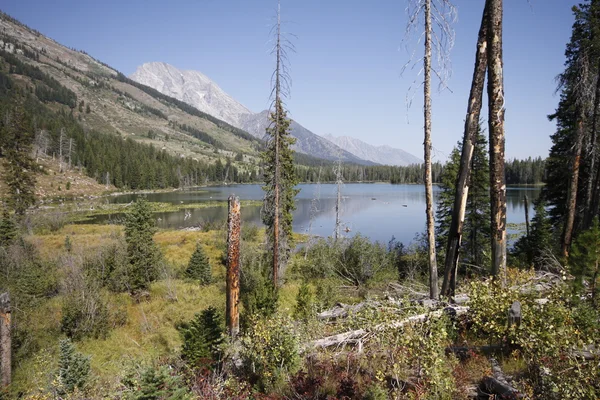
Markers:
(70, 151)
(433, 277)
(464, 172)
(233, 266)
(497, 140)
(338, 201)
(5, 341)
(60, 148)
(573, 188)
(527, 215)
(592, 179)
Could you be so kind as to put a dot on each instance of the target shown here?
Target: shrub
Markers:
(199, 267)
(304, 309)
(257, 292)
(269, 351)
(84, 315)
(73, 368)
(361, 260)
(249, 232)
(8, 229)
(202, 338)
(154, 383)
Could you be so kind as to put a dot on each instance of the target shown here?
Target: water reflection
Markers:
(378, 211)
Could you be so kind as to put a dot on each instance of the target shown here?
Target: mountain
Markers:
(195, 89)
(192, 87)
(378, 154)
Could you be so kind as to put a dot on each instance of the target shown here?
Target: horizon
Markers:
(330, 83)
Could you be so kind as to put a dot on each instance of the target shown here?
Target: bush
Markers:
(202, 338)
(304, 309)
(257, 292)
(199, 267)
(84, 315)
(8, 229)
(154, 383)
(361, 260)
(269, 351)
(73, 368)
(249, 232)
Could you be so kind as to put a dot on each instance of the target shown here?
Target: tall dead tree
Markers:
(233, 267)
(442, 41)
(495, 88)
(338, 202)
(464, 172)
(279, 174)
(5, 341)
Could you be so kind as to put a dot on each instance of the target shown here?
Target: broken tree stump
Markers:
(5, 341)
(234, 227)
(514, 314)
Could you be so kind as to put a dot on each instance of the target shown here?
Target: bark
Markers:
(433, 277)
(527, 215)
(592, 183)
(464, 172)
(277, 177)
(496, 132)
(5, 341)
(573, 188)
(233, 266)
(338, 202)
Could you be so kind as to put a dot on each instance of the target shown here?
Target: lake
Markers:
(376, 210)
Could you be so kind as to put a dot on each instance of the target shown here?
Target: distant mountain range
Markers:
(378, 154)
(199, 91)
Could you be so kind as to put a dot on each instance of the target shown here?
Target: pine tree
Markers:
(19, 167)
(279, 173)
(585, 258)
(202, 337)
(143, 254)
(304, 303)
(199, 267)
(476, 228)
(531, 248)
(8, 229)
(73, 368)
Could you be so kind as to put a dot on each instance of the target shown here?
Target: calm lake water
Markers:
(376, 210)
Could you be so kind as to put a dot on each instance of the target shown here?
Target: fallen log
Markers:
(340, 311)
(497, 384)
(345, 337)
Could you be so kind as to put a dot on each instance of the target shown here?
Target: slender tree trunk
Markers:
(60, 149)
(497, 140)
(5, 341)
(464, 172)
(433, 277)
(70, 150)
(338, 202)
(592, 187)
(277, 178)
(527, 215)
(573, 188)
(233, 266)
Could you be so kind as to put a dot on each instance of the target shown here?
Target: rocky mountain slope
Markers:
(197, 90)
(378, 154)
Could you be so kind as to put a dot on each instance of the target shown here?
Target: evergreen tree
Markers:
(199, 267)
(143, 254)
(202, 337)
(585, 258)
(18, 165)
(279, 174)
(73, 368)
(476, 227)
(531, 248)
(304, 303)
(8, 229)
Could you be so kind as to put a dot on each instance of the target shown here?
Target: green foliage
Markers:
(16, 137)
(476, 228)
(8, 229)
(361, 260)
(199, 267)
(142, 253)
(549, 333)
(73, 368)
(258, 295)
(269, 351)
(279, 177)
(530, 249)
(585, 258)
(304, 309)
(154, 383)
(84, 314)
(202, 338)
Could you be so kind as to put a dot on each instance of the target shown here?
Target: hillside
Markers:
(378, 154)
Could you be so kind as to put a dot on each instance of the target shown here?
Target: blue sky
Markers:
(346, 69)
